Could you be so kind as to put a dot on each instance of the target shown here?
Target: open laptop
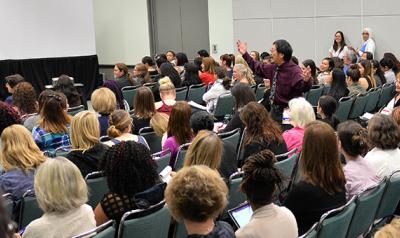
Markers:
(241, 215)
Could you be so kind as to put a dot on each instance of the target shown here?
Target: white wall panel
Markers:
(291, 9)
(256, 32)
(244, 9)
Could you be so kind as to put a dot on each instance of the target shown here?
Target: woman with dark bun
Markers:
(353, 144)
(261, 180)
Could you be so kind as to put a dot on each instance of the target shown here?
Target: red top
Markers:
(207, 78)
(165, 108)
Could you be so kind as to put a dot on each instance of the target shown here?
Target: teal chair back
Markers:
(260, 92)
(97, 186)
(358, 107)
(391, 196)
(311, 233)
(225, 104)
(286, 166)
(372, 101)
(335, 223)
(386, 95)
(181, 93)
(29, 210)
(162, 159)
(366, 207)
(344, 108)
(180, 157)
(236, 197)
(232, 137)
(129, 93)
(105, 230)
(153, 225)
(8, 204)
(314, 94)
(72, 111)
(153, 140)
(196, 92)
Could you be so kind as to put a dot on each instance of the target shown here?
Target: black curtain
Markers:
(39, 72)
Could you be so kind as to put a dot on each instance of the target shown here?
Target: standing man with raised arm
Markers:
(284, 78)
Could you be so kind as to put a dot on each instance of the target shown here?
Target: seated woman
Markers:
(61, 193)
(120, 129)
(241, 74)
(11, 82)
(226, 61)
(53, 129)
(384, 137)
(19, 159)
(87, 151)
(129, 169)
(198, 213)
(104, 103)
(159, 123)
(324, 77)
(144, 109)
(258, 136)
(326, 109)
(66, 86)
(181, 61)
(168, 70)
(190, 75)
(261, 180)
(353, 84)
(121, 75)
(207, 76)
(322, 186)
(167, 95)
(367, 80)
(25, 100)
(338, 88)
(113, 86)
(220, 87)
(353, 143)
(33, 120)
(141, 75)
(301, 113)
(179, 131)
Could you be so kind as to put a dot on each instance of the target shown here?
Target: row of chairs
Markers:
(361, 213)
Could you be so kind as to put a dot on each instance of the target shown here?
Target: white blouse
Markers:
(338, 53)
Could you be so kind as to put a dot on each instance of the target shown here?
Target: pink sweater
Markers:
(294, 138)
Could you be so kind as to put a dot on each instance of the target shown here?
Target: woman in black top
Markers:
(338, 86)
(326, 109)
(144, 109)
(66, 86)
(322, 186)
(191, 75)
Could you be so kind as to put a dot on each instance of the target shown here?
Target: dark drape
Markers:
(84, 69)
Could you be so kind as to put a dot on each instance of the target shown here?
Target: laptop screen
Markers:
(241, 215)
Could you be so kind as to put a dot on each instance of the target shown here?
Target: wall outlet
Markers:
(214, 49)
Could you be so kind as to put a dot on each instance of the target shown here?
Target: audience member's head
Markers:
(327, 65)
(227, 60)
(179, 122)
(367, 56)
(205, 149)
(201, 120)
(265, 58)
(120, 70)
(200, 180)
(353, 75)
(167, 89)
(386, 64)
(85, 130)
(8, 116)
(310, 63)
(255, 55)
(53, 115)
(338, 63)
(326, 109)
(243, 94)
(103, 101)
(181, 59)
(120, 123)
(243, 74)
(339, 43)
(198, 61)
(301, 112)
(396, 62)
(148, 62)
(168, 70)
(12, 81)
(319, 163)
(261, 178)
(208, 65)
(191, 72)
(159, 123)
(349, 58)
(141, 74)
(353, 138)
(170, 55)
(160, 59)
(281, 51)
(66, 86)
(19, 150)
(24, 97)
(383, 132)
(59, 186)
(144, 103)
(203, 53)
(113, 86)
(222, 74)
(377, 71)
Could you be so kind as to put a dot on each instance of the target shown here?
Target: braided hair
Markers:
(129, 168)
(261, 177)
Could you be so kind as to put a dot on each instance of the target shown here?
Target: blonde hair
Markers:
(206, 149)
(166, 86)
(159, 123)
(203, 181)
(301, 112)
(240, 60)
(246, 72)
(391, 230)
(85, 130)
(103, 100)
(119, 121)
(59, 186)
(19, 150)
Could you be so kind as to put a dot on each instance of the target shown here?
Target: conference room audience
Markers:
(207, 76)
(395, 102)
(144, 109)
(104, 103)
(168, 70)
(260, 181)
(220, 87)
(19, 158)
(141, 75)
(326, 109)
(326, 67)
(33, 120)
(190, 75)
(87, 151)
(167, 95)
(179, 131)
(368, 44)
(353, 143)
(66, 86)
(322, 184)
(181, 60)
(52, 131)
(255, 55)
(61, 193)
(257, 135)
(301, 113)
(309, 63)
(198, 213)
(353, 82)
(159, 123)
(338, 87)
(24, 98)
(396, 62)
(365, 68)
(171, 57)
(201, 120)
(348, 60)
(150, 66)
(11, 82)
(121, 76)
(377, 73)
(241, 74)
(198, 61)
(240, 60)
(384, 137)
(121, 103)
(387, 66)
(203, 53)
(339, 47)
(129, 170)
(120, 129)
(226, 62)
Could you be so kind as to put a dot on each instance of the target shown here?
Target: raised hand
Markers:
(241, 47)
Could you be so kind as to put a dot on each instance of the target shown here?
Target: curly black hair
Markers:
(66, 86)
(8, 116)
(129, 168)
